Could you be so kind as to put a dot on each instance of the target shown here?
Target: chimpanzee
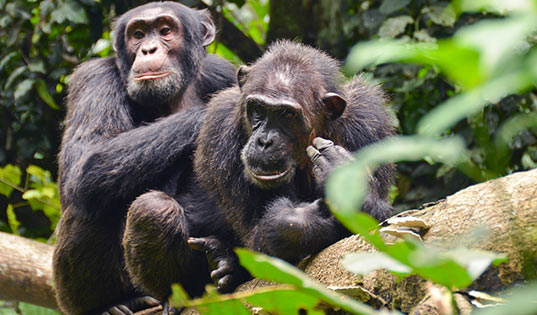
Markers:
(264, 156)
(131, 126)
(258, 174)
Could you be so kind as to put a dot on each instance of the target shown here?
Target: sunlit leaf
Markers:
(10, 176)
(223, 307)
(23, 88)
(27, 309)
(441, 15)
(12, 219)
(285, 302)
(13, 76)
(521, 301)
(365, 262)
(37, 66)
(498, 6)
(347, 185)
(456, 108)
(7, 59)
(469, 58)
(431, 264)
(43, 92)
(32, 194)
(394, 26)
(475, 261)
(273, 269)
(41, 174)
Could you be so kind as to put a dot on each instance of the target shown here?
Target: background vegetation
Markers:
(462, 73)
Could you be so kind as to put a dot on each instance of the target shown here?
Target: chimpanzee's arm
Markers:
(292, 230)
(104, 154)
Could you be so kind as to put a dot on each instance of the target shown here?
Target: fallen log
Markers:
(506, 208)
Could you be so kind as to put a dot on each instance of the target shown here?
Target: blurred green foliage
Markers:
(460, 77)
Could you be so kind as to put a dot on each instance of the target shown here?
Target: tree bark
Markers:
(505, 207)
(26, 271)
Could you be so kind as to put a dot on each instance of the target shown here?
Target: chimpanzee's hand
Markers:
(325, 156)
(131, 306)
(226, 271)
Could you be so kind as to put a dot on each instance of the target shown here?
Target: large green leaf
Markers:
(10, 176)
(273, 269)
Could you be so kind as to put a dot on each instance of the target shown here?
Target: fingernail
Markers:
(321, 143)
(311, 151)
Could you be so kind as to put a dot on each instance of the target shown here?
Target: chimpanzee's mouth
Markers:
(268, 176)
(151, 76)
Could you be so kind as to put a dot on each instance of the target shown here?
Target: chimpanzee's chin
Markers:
(155, 91)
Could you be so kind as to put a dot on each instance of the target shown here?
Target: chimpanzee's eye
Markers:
(258, 111)
(139, 34)
(165, 31)
(288, 115)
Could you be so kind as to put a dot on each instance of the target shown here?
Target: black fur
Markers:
(290, 221)
(113, 150)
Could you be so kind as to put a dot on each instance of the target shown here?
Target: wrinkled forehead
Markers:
(149, 14)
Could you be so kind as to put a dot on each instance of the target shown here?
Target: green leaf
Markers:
(365, 262)
(285, 302)
(43, 92)
(470, 58)
(521, 301)
(12, 219)
(431, 264)
(456, 108)
(71, 11)
(32, 194)
(37, 66)
(389, 6)
(273, 269)
(441, 15)
(23, 88)
(40, 174)
(53, 214)
(13, 76)
(101, 47)
(27, 309)
(475, 261)
(179, 296)
(347, 185)
(224, 307)
(501, 7)
(10, 176)
(394, 26)
(7, 59)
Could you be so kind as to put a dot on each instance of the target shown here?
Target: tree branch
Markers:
(26, 271)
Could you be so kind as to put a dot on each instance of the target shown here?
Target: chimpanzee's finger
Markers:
(344, 153)
(125, 309)
(322, 144)
(197, 243)
(143, 302)
(115, 310)
(225, 285)
(223, 269)
(317, 158)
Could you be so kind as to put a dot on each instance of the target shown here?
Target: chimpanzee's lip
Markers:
(270, 176)
(151, 76)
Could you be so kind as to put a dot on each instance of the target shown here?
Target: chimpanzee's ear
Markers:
(335, 105)
(209, 30)
(241, 74)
